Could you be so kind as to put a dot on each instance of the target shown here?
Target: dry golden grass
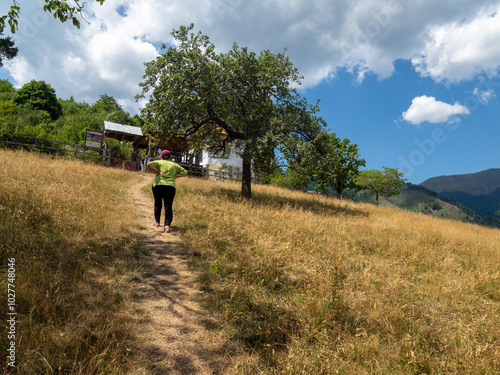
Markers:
(66, 223)
(320, 286)
(309, 285)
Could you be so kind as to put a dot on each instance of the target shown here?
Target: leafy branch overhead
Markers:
(60, 9)
(7, 49)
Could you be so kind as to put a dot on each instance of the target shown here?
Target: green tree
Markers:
(7, 90)
(60, 9)
(326, 160)
(75, 119)
(7, 49)
(110, 110)
(337, 163)
(385, 183)
(31, 121)
(41, 96)
(215, 101)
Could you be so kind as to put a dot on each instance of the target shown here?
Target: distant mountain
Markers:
(477, 191)
(481, 183)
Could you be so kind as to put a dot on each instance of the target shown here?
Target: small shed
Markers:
(125, 133)
(178, 147)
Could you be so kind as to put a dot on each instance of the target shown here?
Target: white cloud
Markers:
(484, 96)
(449, 40)
(459, 51)
(427, 108)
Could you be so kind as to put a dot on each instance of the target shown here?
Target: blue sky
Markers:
(370, 115)
(414, 83)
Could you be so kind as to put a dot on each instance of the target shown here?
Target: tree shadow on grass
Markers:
(309, 202)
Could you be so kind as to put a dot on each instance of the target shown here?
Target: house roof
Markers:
(124, 133)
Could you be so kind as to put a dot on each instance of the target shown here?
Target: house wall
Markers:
(233, 160)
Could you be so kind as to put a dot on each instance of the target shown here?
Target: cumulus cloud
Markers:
(427, 108)
(449, 40)
(461, 50)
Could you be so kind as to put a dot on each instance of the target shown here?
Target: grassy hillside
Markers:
(317, 286)
(307, 284)
(68, 228)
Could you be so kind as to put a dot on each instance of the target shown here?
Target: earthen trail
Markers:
(173, 331)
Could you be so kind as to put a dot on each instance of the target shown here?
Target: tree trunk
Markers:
(246, 179)
(376, 198)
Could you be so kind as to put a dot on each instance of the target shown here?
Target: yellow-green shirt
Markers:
(169, 169)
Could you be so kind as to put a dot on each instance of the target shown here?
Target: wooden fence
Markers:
(48, 144)
(190, 165)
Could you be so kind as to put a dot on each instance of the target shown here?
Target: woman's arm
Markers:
(181, 175)
(154, 169)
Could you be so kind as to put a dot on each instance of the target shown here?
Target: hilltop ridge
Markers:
(478, 191)
(480, 183)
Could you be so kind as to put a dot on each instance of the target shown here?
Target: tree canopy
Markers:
(328, 161)
(385, 183)
(39, 95)
(219, 101)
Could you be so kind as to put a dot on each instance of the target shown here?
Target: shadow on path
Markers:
(173, 330)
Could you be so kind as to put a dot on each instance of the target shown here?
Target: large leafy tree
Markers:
(385, 183)
(113, 111)
(237, 99)
(41, 96)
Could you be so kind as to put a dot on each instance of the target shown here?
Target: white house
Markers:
(233, 162)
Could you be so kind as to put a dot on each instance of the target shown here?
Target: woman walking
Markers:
(164, 186)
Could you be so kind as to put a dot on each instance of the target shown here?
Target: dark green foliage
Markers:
(7, 49)
(41, 96)
(74, 118)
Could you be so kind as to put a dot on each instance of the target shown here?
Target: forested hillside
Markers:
(478, 191)
(35, 110)
(416, 198)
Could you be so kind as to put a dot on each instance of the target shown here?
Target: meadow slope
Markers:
(304, 284)
(320, 286)
(69, 228)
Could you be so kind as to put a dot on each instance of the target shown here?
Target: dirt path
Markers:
(174, 334)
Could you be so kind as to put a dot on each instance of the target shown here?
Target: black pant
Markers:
(164, 195)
